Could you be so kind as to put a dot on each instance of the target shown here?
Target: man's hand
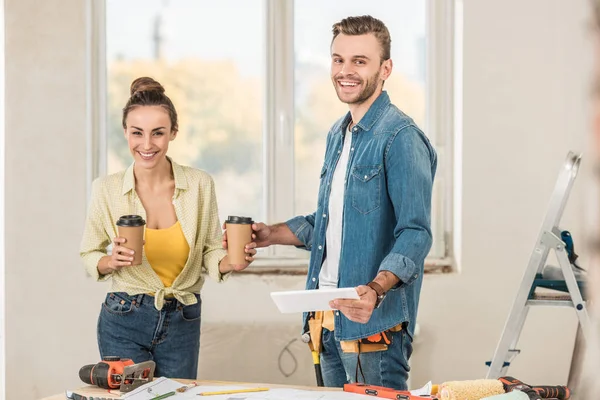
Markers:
(261, 234)
(357, 310)
(264, 235)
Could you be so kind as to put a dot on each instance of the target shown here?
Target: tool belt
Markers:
(325, 319)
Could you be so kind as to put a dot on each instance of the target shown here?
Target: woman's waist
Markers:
(148, 300)
(154, 289)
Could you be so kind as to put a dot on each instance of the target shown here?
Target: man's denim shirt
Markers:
(387, 213)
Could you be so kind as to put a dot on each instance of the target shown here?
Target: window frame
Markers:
(278, 129)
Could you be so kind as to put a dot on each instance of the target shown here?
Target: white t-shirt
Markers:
(328, 277)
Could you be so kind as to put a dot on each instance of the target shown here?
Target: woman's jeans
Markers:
(131, 327)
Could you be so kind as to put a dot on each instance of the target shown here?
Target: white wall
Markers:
(525, 77)
(51, 305)
(2, 230)
(525, 100)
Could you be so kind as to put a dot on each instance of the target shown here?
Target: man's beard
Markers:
(364, 95)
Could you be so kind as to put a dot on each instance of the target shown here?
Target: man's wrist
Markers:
(379, 292)
(275, 233)
(386, 280)
(377, 288)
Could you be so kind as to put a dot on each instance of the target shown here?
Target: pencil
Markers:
(164, 396)
(233, 391)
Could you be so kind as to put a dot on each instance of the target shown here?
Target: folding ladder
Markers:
(569, 289)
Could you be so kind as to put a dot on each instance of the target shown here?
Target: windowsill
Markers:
(299, 266)
(277, 266)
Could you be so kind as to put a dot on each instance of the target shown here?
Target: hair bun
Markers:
(146, 84)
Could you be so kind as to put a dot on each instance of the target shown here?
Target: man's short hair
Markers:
(363, 25)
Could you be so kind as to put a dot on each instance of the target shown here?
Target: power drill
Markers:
(117, 373)
(535, 392)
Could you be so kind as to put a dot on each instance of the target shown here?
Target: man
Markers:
(371, 229)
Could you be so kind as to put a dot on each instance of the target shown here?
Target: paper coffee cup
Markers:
(131, 227)
(239, 234)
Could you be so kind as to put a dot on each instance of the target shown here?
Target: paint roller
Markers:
(470, 390)
(486, 388)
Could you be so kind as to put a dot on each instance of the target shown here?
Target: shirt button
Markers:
(324, 215)
(337, 313)
(339, 151)
(314, 279)
(351, 148)
(320, 247)
(366, 177)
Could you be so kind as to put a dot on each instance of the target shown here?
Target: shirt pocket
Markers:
(322, 184)
(365, 190)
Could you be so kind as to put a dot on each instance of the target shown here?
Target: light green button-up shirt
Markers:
(195, 205)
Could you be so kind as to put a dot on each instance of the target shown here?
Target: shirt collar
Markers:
(178, 174)
(375, 111)
(377, 108)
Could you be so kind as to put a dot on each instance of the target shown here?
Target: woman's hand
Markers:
(249, 249)
(121, 257)
(225, 266)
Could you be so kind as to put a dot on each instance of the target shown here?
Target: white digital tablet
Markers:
(310, 300)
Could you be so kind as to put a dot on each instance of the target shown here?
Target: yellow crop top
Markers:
(167, 252)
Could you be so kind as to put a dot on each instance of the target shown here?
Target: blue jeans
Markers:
(387, 368)
(131, 327)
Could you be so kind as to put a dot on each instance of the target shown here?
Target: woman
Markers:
(152, 311)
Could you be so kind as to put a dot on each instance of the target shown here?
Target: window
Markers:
(213, 74)
(254, 96)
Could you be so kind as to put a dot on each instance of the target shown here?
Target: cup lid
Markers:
(131, 220)
(232, 219)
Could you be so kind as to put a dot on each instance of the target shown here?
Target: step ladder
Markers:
(565, 292)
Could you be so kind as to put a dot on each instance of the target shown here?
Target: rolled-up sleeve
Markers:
(303, 227)
(95, 239)
(213, 252)
(410, 168)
